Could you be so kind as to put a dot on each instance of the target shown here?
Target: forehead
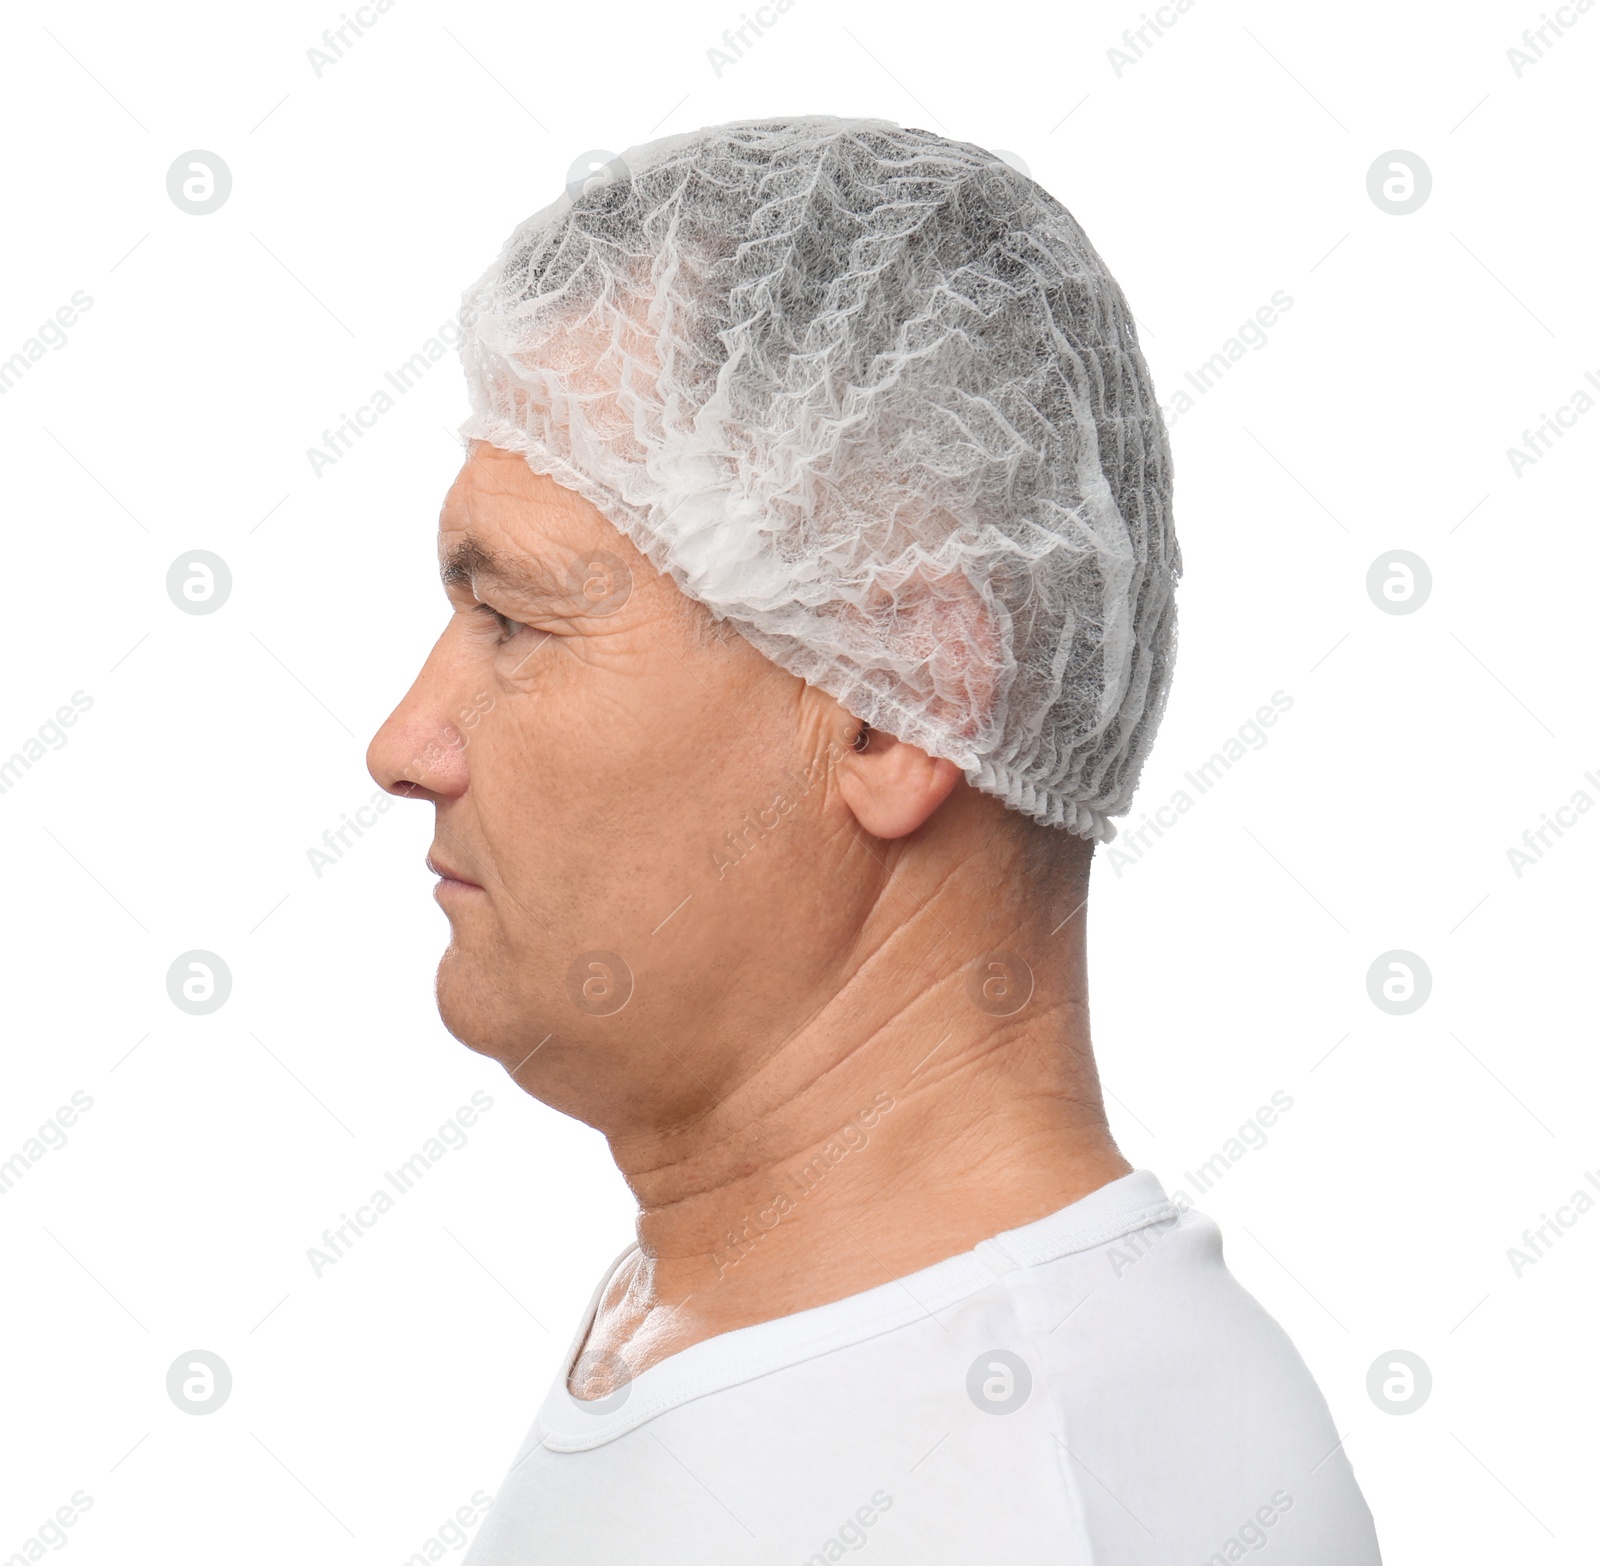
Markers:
(500, 518)
(541, 548)
(494, 488)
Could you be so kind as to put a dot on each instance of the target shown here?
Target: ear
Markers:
(947, 648)
(893, 787)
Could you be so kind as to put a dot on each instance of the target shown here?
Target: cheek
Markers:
(577, 783)
(605, 789)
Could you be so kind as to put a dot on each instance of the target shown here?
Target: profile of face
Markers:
(647, 832)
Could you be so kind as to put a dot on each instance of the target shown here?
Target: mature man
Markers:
(812, 572)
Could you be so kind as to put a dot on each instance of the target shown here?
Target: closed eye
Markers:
(507, 626)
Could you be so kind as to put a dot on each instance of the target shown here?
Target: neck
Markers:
(905, 1120)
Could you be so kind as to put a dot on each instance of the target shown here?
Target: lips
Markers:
(446, 872)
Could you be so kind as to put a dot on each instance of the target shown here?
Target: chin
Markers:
(460, 992)
(473, 1006)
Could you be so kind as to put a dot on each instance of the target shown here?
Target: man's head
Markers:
(637, 810)
(814, 557)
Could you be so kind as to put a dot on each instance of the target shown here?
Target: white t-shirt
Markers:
(1094, 1389)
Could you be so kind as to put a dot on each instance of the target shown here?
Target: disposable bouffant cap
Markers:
(870, 395)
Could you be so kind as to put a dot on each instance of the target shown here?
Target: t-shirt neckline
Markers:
(568, 1424)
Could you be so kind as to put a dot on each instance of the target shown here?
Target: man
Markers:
(812, 572)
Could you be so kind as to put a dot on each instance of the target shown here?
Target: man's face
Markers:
(636, 823)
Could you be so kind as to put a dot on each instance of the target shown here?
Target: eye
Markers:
(507, 626)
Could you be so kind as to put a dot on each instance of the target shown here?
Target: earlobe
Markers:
(893, 787)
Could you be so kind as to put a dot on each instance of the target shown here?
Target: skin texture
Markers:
(689, 911)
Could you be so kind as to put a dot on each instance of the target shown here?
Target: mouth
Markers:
(450, 879)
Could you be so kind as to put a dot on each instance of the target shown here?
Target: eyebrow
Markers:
(471, 558)
(468, 559)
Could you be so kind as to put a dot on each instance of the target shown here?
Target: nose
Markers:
(419, 750)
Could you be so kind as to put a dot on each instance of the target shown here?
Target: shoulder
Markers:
(1174, 1385)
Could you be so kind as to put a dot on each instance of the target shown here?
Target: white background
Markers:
(1227, 163)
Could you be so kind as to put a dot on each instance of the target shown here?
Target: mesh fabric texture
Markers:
(870, 395)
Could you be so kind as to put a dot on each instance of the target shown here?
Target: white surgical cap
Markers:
(870, 395)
